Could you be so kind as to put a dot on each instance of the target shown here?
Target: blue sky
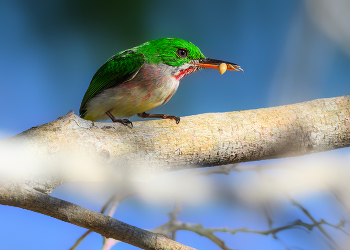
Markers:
(50, 50)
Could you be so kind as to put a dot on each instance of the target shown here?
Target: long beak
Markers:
(214, 64)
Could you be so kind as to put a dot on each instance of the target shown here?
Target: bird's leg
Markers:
(145, 115)
(125, 122)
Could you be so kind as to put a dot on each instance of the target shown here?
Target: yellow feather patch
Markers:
(89, 117)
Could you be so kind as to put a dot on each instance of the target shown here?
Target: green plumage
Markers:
(123, 66)
(164, 51)
(119, 68)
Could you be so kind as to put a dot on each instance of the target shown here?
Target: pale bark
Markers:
(27, 198)
(162, 145)
(203, 140)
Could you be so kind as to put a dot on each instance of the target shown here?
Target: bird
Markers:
(142, 78)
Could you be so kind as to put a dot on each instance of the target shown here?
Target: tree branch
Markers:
(201, 140)
(209, 232)
(71, 148)
(19, 196)
(114, 201)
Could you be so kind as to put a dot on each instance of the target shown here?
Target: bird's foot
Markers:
(125, 122)
(162, 116)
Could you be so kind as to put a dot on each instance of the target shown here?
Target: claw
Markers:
(126, 122)
(177, 119)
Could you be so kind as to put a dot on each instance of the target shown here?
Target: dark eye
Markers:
(182, 53)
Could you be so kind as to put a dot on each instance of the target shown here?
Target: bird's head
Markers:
(183, 56)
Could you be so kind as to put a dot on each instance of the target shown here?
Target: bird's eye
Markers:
(182, 53)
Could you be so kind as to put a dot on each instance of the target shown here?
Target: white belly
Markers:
(150, 88)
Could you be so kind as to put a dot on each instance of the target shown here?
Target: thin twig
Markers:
(173, 217)
(318, 225)
(81, 238)
(341, 201)
(115, 199)
(209, 232)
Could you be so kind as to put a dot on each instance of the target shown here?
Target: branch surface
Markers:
(201, 140)
(19, 196)
(68, 146)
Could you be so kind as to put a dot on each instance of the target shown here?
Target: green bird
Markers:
(142, 78)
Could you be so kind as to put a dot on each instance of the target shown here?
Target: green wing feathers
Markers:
(118, 69)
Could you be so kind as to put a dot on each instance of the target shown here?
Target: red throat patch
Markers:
(184, 73)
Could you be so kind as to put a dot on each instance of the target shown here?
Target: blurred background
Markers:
(291, 51)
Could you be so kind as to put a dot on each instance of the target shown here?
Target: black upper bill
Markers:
(215, 64)
(214, 61)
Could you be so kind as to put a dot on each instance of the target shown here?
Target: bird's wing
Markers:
(118, 69)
